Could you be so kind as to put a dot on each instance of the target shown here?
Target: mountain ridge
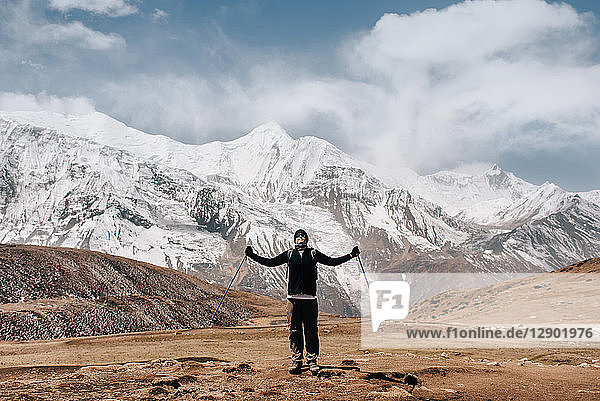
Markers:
(96, 126)
(196, 207)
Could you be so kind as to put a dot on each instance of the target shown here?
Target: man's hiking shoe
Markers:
(314, 368)
(295, 368)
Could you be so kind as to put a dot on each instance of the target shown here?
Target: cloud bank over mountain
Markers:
(476, 82)
(431, 90)
(10, 101)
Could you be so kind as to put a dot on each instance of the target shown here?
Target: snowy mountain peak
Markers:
(547, 199)
(551, 187)
(494, 170)
(478, 198)
(267, 134)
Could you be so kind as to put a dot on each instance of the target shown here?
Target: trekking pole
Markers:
(229, 286)
(363, 270)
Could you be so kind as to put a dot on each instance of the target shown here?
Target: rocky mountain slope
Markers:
(60, 292)
(91, 182)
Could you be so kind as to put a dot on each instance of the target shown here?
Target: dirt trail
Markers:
(250, 362)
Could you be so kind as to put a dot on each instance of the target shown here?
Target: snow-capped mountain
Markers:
(92, 182)
(475, 197)
(591, 196)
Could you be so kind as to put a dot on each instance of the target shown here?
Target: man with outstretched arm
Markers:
(302, 308)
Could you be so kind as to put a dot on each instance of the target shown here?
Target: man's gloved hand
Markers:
(355, 252)
(249, 251)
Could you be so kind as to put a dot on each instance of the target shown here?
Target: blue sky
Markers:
(426, 84)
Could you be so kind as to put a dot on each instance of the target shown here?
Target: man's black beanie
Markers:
(300, 231)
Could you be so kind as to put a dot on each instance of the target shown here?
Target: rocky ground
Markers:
(249, 362)
(58, 296)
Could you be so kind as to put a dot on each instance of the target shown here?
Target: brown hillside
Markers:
(585, 266)
(59, 292)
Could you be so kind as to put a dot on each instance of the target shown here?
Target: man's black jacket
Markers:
(302, 267)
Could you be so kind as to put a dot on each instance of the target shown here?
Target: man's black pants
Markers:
(303, 312)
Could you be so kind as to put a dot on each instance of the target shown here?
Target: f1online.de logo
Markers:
(389, 301)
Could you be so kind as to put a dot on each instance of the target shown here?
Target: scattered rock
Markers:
(164, 362)
(398, 375)
(375, 375)
(244, 367)
(584, 365)
(181, 392)
(399, 391)
(167, 381)
(187, 379)
(349, 362)
(240, 368)
(411, 380)
(159, 391)
(434, 370)
(329, 373)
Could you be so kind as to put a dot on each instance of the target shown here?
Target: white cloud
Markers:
(465, 33)
(473, 168)
(478, 79)
(11, 101)
(26, 27)
(159, 15)
(430, 90)
(77, 34)
(112, 8)
(195, 109)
